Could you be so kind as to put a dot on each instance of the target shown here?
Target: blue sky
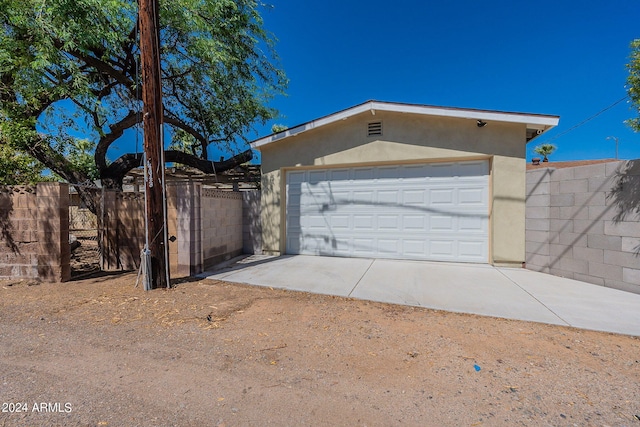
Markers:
(557, 57)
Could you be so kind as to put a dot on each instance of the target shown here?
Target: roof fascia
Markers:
(535, 121)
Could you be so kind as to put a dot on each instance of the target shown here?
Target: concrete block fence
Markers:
(205, 226)
(583, 223)
(34, 232)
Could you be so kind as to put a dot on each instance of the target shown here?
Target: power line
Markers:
(584, 121)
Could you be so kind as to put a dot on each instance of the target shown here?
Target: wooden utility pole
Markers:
(153, 142)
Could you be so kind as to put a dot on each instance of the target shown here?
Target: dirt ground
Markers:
(100, 352)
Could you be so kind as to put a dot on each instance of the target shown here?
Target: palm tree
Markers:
(545, 150)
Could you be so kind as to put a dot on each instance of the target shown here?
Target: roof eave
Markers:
(537, 122)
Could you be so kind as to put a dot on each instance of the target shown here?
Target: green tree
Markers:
(18, 168)
(278, 128)
(69, 71)
(545, 150)
(80, 155)
(633, 83)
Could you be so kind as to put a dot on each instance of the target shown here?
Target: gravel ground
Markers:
(100, 352)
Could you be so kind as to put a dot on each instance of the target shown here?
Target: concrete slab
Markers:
(322, 275)
(582, 305)
(465, 288)
(468, 288)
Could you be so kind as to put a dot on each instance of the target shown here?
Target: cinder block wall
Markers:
(251, 223)
(221, 226)
(205, 227)
(18, 230)
(34, 232)
(583, 223)
(176, 197)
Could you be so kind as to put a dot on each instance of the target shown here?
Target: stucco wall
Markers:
(583, 223)
(407, 138)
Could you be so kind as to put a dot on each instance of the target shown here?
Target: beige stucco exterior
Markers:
(407, 138)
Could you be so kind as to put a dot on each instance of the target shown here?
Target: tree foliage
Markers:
(633, 83)
(18, 168)
(545, 150)
(81, 158)
(69, 78)
(278, 128)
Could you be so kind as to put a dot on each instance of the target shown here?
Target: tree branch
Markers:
(185, 127)
(99, 65)
(117, 129)
(113, 175)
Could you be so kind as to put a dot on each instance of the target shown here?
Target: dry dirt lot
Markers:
(99, 352)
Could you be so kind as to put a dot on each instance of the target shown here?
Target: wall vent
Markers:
(374, 129)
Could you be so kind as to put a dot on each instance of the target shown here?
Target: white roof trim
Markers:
(535, 121)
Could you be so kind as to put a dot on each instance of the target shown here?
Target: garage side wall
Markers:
(584, 223)
(407, 138)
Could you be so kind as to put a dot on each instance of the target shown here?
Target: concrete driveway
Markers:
(465, 288)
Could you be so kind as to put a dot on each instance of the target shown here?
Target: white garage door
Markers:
(436, 211)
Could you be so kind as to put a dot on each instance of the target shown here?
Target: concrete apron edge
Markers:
(357, 284)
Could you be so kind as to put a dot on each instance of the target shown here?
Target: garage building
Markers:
(400, 181)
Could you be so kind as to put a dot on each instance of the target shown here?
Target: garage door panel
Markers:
(340, 222)
(430, 211)
(415, 223)
(388, 246)
(414, 197)
(364, 174)
(442, 248)
(441, 196)
(364, 223)
(413, 248)
(363, 247)
(388, 222)
(314, 243)
(472, 196)
(293, 244)
(388, 197)
(441, 171)
(388, 173)
(414, 173)
(341, 246)
(316, 177)
(363, 197)
(338, 175)
(315, 222)
(338, 195)
(472, 223)
(294, 178)
(470, 249)
(471, 170)
(316, 190)
(440, 223)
